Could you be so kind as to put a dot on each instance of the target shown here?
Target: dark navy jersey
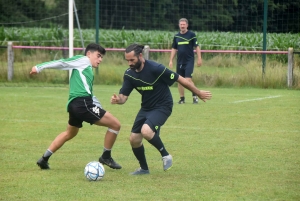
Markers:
(152, 82)
(185, 43)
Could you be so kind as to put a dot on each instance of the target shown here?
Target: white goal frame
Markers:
(71, 32)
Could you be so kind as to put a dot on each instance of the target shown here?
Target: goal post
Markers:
(71, 32)
(146, 52)
(290, 67)
(10, 61)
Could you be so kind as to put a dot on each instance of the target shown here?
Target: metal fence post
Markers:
(10, 61)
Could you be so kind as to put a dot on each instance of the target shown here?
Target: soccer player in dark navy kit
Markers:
(152, 81)
(184, 43)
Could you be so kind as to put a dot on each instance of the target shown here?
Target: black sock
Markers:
(193, 94)
(140, 156)
(106, 153)
(182, 98)
(47, 155)
(158, 144)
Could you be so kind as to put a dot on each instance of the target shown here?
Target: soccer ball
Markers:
(94, 171)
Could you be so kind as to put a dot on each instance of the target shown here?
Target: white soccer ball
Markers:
(94, 171)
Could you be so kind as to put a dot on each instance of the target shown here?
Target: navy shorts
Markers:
(185, 70)
(83, 109)
(154, 118)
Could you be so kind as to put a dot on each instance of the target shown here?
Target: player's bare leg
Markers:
(154, 139)
(57, 143)
(114, 126)
(138, 149)
(60, 140)
(139, 152)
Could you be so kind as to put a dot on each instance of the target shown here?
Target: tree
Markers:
(22, 12)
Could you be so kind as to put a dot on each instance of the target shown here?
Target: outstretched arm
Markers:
(173, 52)
(118, 99)
(76, 62)
(203, 95)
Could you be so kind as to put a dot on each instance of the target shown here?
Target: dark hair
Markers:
(136, 48)
(94, 47)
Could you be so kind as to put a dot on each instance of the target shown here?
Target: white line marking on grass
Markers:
(257, 99)
(227, 129)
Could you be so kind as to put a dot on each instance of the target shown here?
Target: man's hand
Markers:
(171, 64)
(204, 95)
(33, 70)
(199, 62)
(114, 99)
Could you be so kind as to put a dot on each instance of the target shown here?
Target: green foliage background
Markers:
(56, 36)
(203, 15)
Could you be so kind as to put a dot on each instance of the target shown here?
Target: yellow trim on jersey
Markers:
(183, 43)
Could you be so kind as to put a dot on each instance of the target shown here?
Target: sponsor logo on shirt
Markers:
(172, 76)
(147, 88)
(183, 43)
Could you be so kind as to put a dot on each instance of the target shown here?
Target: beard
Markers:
(136, 66)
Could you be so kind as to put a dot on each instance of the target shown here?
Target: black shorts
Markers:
(154, 118)
(186, 70)
(83, 109)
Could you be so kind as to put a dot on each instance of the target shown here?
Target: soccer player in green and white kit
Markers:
(82, 104)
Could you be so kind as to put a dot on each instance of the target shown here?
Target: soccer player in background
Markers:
(152, 81)
(184, 43)
(82, 104)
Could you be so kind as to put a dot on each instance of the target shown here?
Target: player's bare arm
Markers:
(203, 95)
(199, 58)
(173, 52)
(118, 99)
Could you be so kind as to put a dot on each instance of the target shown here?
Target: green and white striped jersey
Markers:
(82, 77)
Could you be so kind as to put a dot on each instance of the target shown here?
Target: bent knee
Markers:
(115, 124)
(147, 132)
(135, 140)
(118, 125)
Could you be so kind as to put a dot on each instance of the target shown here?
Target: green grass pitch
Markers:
(244, 144)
